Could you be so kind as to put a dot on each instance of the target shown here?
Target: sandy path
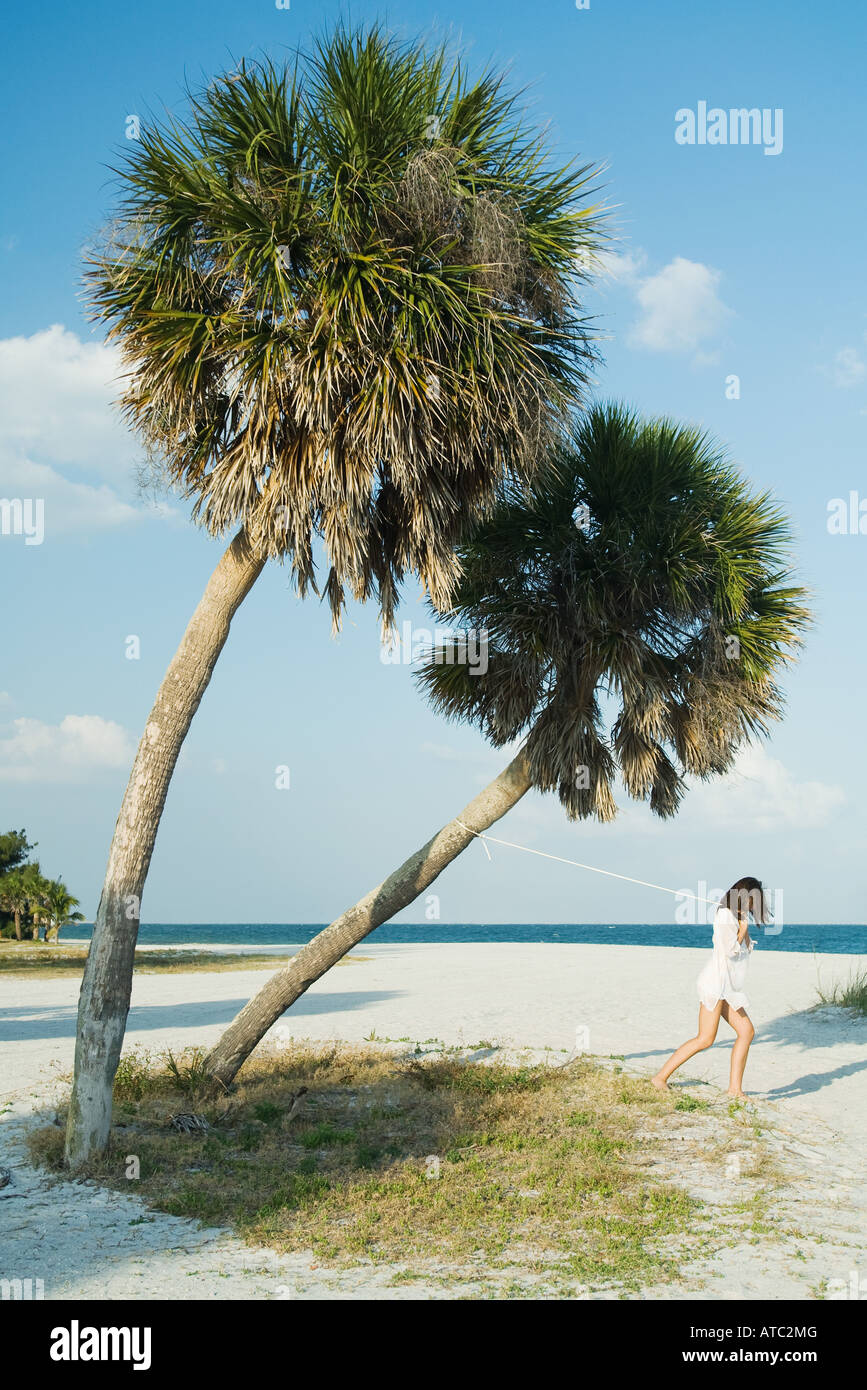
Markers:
(809, 1071)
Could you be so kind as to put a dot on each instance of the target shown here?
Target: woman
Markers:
(721, 983)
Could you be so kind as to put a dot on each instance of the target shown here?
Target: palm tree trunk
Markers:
(107, 984)
(17, 916)
(395, 893)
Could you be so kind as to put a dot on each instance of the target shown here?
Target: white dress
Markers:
(725, 974)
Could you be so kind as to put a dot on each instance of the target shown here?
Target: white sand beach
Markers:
(807, 1073)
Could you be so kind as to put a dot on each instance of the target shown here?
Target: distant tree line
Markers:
(31, 905)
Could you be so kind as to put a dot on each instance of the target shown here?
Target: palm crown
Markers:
(16, 891)
(346, 293)
(60, 905)
(637, 608)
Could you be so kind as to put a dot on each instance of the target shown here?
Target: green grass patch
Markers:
(398, 1159)
(56, 962)
(848, 994)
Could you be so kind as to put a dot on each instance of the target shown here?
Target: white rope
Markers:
(677, 892)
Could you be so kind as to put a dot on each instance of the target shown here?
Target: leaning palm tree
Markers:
(637, 610)
(346, 296)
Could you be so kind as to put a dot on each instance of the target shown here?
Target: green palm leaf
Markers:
(645, 640)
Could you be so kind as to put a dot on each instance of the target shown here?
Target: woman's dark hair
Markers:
(739, 899)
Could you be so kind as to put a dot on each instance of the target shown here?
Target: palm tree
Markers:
(59, 904)
(37, 886)
(22, 892)
(346, 295)
(642, 641)
(15, 897)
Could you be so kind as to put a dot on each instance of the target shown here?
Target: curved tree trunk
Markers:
(107, 984)
(395, 893)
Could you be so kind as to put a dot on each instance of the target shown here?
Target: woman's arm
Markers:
(727, 932)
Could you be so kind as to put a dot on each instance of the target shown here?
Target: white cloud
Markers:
(761, 793)
(61, 435)
(623, 266)
(66, 752)
(681, 309)
(69, 506)
(57, 397)
(849, 368)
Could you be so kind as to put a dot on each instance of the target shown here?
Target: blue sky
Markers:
(729, 261)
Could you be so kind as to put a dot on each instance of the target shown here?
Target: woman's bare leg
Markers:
(708, 1023)
(739, 1020)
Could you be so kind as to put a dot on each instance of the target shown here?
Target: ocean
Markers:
(835, 939)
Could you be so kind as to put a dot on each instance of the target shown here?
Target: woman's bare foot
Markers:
(737, 1095)
(659, 1083)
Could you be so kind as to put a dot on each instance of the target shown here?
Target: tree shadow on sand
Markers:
(26, 1023)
